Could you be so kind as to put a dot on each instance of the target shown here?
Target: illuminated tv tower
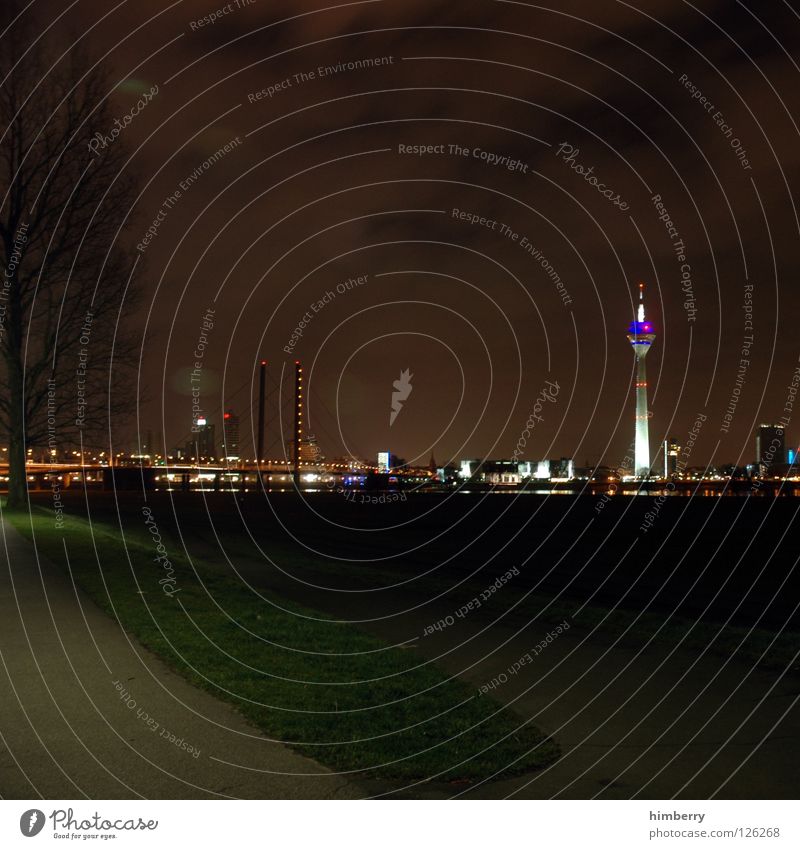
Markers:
(641, 337)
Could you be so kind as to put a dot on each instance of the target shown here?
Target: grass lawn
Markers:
(329, 690)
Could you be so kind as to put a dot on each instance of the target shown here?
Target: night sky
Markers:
(692, 103)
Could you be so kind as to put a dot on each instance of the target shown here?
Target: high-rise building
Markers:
(310, 450)
(204, 439)
(230, 435)
(641, 337)
(671, 453)
(770, 447)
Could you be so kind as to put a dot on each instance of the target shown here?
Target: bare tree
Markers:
(64, 279)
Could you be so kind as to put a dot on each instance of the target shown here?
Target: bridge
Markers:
(271, 475)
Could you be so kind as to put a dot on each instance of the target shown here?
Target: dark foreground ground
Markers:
(678, 675)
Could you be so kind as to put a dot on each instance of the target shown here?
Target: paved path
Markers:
(85, 711)
(644, 724)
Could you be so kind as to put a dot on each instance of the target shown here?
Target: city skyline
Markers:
(567, 255)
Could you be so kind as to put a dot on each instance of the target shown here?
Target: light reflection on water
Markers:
(792, 492)
(706, 492)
